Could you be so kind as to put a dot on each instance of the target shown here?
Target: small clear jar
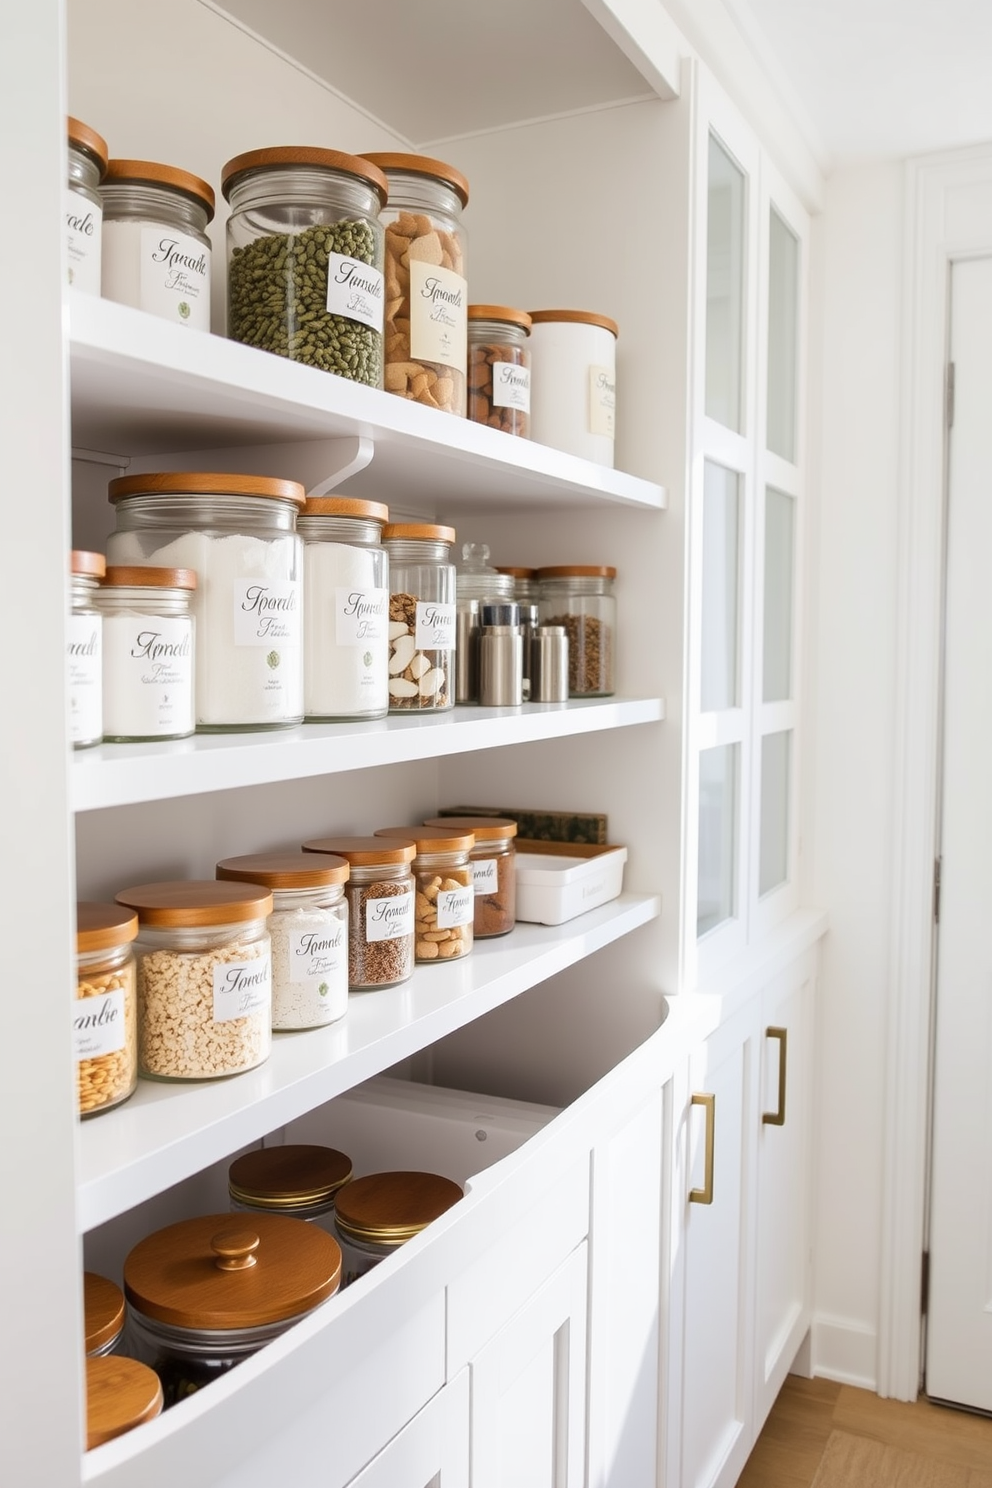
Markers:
(580, 598)
(426, 288)
(422, 626)
(379, 1212)
(308, 928)
(298, 1178)
(156, 252)
(84, 649)
(105, 1016)
(499, 368)
(305, 258)
(346, 609)
(238, 535)
(526, 585)
(476, 583)
(494, 870)
(103, 1315)
(380, 894)
(83, 206)
(147, 653)
(204, 978)
(445, 904)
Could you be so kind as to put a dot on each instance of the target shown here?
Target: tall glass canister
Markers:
(421, 617)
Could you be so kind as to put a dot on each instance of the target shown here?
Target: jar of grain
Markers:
(380, 894)
(105, 1019)
(445, 905)
(299, 1179)
(84, 650)
(573, 382)
(103, 1315)
(147, 653)
(204, 977)
(499, 368)
(379, 1212)
(426, 288)
(580, 598)
(305, 258)
(494, 870)
(422, 626)
(156, 252)
(308, 928)
(83, 206)
(120, 1394)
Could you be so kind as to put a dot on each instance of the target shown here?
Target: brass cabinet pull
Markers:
(704, 1195)
(777, 1118)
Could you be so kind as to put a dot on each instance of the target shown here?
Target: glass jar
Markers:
(378, 1213)
(84, 649)
(494, 870)
(499, 368)
(298, 1179)
(445, 907)
(580, 598)
(380, 894)
(346, 609)
(526, 586)
(147, 653)
(120, 1394)
(573, 382)
(421, 617)
(83, 206)
(308, 928)
(103, 1315)
(475, 584)
(426, 289)
(204, 977)
(305, 258)
(197, 1305)
(156, 252)
(105, 1018)
(238, 535)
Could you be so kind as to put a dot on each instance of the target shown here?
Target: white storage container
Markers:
(573, 382)
(558, 880)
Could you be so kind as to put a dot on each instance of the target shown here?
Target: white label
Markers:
(175, 277)
(98, 1026)
(242, 988)
(147, 676)
(511, 386)
(266, 614)
(602, 401)
(485, 876)
(84, 662)
(435, 629)
(83, 229)
(438, 318)
(361, 617)
(355, 290)
(455, 907)
(319, 956)
(389, 918)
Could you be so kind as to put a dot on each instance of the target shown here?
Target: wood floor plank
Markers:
(934, 1430)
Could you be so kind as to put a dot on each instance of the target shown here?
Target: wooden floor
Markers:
(788, 1451)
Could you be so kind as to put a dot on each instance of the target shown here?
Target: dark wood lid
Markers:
(277, 156)
(294, 1175)
(577, 571)
(120, 1394)
(205, 483)
(87, 565)
(496, 827)
(578, 317)
(285, 870)
(345, 506)
(140, 171)
(364, 852)
(197, 901)
(437, 839)
(102, 926)
(421, 165)
(499, 312)
(103, 1311)
(135, 577)
(388, 1208)
(85, 138)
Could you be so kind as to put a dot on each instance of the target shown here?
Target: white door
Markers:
(959, 1326)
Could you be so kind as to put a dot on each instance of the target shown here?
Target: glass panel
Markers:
(721, 586)
(783, 332)
(717, 886)
(780, 518)
(724, 288)
(774, 864)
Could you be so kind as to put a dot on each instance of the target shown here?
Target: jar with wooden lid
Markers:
(105, 1013)
(426, 286)
(300, 1179)
(84, 649)
(422, 625)
(445, 903)
(204, 977)
(380, 894)
(305, 258)
(379, 1212)
(206, 1293)
(579, 596)
(103, 1315)
(156, 252)
(121, 1393)
(308, 928)
(238, 535)
(83, 206)
(494, 870)
(499, 368)
(573, 382)
(147, 653)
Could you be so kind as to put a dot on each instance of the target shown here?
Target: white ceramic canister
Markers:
(573, 382)
(83, 206)
(147, 653)
(156, 253)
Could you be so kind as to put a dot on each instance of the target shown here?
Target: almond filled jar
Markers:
(494, 870)
(422, 623)
(445, 903)
(499, 368)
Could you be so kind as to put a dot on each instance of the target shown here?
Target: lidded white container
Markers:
(156, 252)
(83, 205)
(573, 382)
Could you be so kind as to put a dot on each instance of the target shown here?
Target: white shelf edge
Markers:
(167, 1132)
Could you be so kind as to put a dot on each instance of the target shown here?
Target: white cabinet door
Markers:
(431, 1451)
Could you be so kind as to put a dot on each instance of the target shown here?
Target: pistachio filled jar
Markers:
(147, 653)
(445, 903)
(83, 206)
(499, 368)
(422, 625)
(580, 598)
(84, 649)
(379, 1212)
(300, 1179)
(380, 893)
(156, 252)
(305, 258)
(105, 1016)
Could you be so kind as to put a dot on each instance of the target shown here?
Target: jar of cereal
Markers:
(104, 1018)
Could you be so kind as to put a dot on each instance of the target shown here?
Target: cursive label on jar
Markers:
(435, 627)
(242, 988)
(98, 1025)
(485, 875)
(438, 315)
(266, 614)
(83, 223)
(389, 918)
(175, 277)
(318, 956)
(361, 617)
(355, 290)
(147, 676)
(511, 386)
(455, 907)
(602, 401)
(84, 661)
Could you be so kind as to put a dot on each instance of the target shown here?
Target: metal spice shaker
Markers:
(549, 665)
(501, 654)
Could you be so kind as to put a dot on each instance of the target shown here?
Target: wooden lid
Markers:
(422, 531)
(120, 576)
(432, 839)
(579, 317)
(225, 1271)
(205, 483)
(499, 312)
(87, 565)
(103, 1311)
(518, 573)
(140, 171)
(388, 1208)
(421, 165)
(285, 870)
(85, 138)
(120, 1394)
(293, 1176)
(345, 506)
(483, 827)
(303, 155)
(101, 926)
(364, 851)
(197, 901)
(577, 571)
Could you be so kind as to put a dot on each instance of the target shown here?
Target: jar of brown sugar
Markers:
(445, 906)
(380, 894)
(494, 870)
(104, 1018)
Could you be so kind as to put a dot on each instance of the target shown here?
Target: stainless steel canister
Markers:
(529, 621)
(501, 650)
(549, 665)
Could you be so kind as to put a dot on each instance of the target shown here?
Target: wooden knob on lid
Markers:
(235, 1249)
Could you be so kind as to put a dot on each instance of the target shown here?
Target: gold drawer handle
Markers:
(777, 1118)
(704, 1195)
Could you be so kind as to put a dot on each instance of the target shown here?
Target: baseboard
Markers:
(845, 1351)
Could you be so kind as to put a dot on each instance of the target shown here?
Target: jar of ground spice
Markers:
(579, 597)
(380, 894)
(104, 1016)
(494, 870)
(379, 1212)
(445, 905)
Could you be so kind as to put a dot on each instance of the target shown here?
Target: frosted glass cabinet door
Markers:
(718, 804)
(776, 750)
(720, 667)
(783, 337)
(780, 525)
(725, 225)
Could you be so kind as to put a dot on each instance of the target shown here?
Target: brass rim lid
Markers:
(285, 870)
(103, 1311)
(205, 483)
(197, 901)
(85, 138)
(483, 827)
(421, 165)
(142, 171)
(224, 1271)
(304, 155)
(87, 565)
(120, 1394)
(291, 1177)
(388, 1208)
(431, 839)
(121, 576)
(577, 571)
(345, 506)
(578, 317)
(101, 926)
(422, 531)
(364, 852)
(499, 312)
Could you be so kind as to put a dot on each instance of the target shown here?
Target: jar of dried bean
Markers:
(84, 650)
(204, 977)
(83, 206)
(422, 624)
(499, 368)
(494, 870)
(105, 1020)
(379, 1212)
(298, 1178)
(445, 905)
(580, 598)
(380, 894)
(156, 252)
(426, 289)
(305, 258)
